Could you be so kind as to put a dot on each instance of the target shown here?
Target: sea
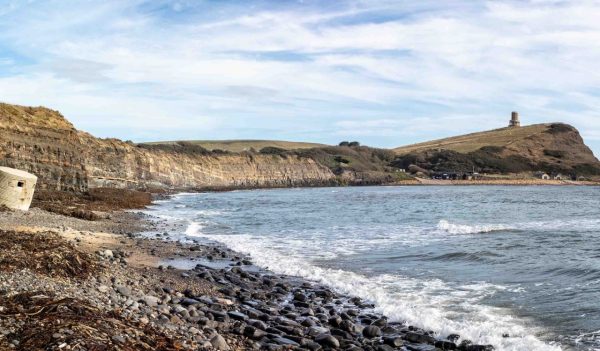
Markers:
(517, 267)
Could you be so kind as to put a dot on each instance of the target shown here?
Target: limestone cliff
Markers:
(42, 141)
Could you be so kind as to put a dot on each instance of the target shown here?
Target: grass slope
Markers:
(475, 141)
(243, 145)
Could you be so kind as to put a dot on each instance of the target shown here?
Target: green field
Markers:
(243, 145)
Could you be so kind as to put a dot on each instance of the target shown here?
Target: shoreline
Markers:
(222, 303)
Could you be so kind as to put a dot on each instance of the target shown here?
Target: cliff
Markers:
(42, 141)
(554, 147)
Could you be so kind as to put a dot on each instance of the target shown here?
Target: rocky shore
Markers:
(72, 284)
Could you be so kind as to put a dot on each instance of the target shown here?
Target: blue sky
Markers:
(386, 73)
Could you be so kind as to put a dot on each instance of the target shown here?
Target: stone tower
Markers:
(514, 120)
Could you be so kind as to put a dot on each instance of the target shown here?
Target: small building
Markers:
(559, 176)
(514, 120)
(16, 188)
(541, 175)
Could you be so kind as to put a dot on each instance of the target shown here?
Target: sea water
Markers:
(515, 267)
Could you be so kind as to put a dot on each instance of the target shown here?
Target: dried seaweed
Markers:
(50, 323)
(46, 253)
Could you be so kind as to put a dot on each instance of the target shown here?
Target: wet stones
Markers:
(445, 345)
(327, 340)
(371, 331)
(394, 341)
(419, 338)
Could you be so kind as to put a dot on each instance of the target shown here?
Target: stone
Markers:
(238, 316)
(285, 341)
(189, 302)
(419, 338)
(150, 301)
(219, 343)
(371, 331)
(479, 348)
(123, 290)
(314, 331)
(394, 341)
(327, 340)
(119, 339)
(445, 345)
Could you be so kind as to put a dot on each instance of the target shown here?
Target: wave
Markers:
(578, 225)
(452, 228)
(429, 304)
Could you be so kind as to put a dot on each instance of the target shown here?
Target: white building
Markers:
(16, 188)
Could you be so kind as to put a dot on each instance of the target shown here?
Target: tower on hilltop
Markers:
(514, 120)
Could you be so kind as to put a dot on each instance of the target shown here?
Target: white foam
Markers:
(452, 228)
(430, 304)
(209, 213)
(194, 229)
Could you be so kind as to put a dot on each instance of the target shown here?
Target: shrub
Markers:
(554, 153)
(272, 150)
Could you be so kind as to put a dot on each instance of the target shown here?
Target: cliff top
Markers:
(23, 117)
(243, 145)
(475, 141)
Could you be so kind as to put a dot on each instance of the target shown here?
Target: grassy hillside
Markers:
(471, 142)
(243, 145)
(553, 148)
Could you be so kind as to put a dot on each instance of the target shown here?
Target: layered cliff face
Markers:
(42, 141)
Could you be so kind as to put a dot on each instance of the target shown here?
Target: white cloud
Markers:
(379, 64)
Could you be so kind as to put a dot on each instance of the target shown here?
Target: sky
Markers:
(385, 73)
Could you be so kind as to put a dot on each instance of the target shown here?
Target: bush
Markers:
(344, 143)
(272, 150)
(554, 153)
(340, 159)
(558, 128)
(353, 144)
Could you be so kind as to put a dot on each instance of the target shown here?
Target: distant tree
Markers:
(344, 143)
(353, 144)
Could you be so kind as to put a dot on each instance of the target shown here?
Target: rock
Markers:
(313, 346)
(119, 339)
(300, 297)
(394, 341)
(385, 347)
(103, 288)
(479, 348)
(453, 337)
(150, 301)
(371, 331)
(327, 340)
(314, 331)
(189, 302)
(419, 338)
(285, 341)
(445, 345)
(219, 343)
(123, 290)
(238, 316)
(107, 253)
(253, 332)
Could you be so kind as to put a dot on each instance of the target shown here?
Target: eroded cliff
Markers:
(43, 142)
